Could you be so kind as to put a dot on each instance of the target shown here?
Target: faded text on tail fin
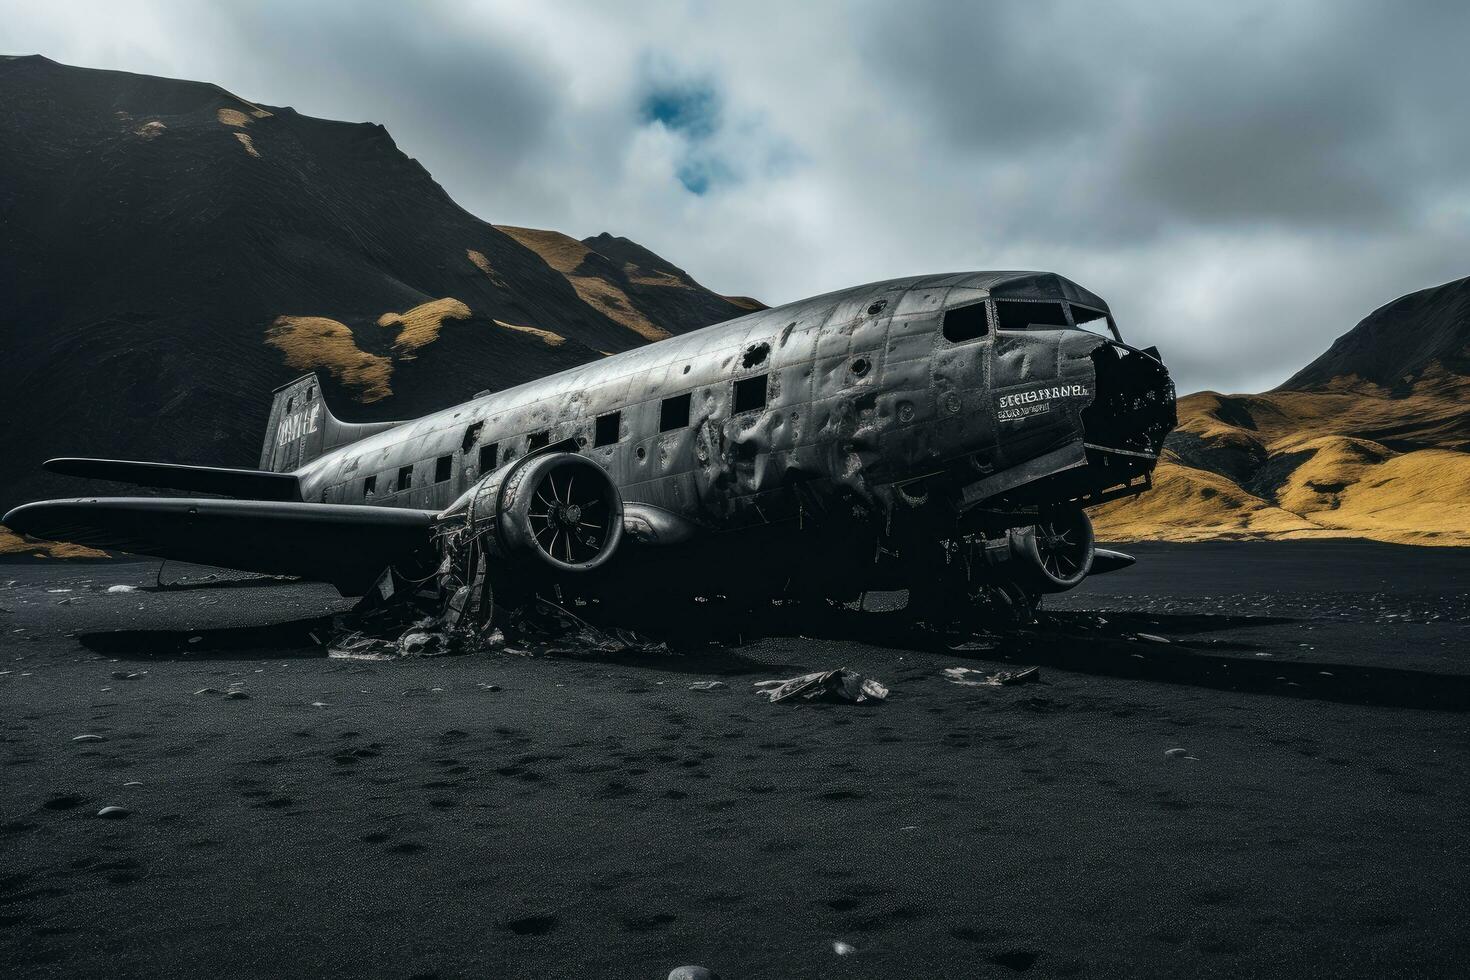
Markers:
(301, 427)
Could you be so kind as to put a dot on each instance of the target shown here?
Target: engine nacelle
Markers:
(1053, 555)
(559, 512)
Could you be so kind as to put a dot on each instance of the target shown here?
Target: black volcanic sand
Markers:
(600, 819)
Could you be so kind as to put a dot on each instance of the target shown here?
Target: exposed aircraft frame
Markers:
(940, 433)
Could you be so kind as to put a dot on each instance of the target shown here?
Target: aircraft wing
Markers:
(249, 484)
(347, 546)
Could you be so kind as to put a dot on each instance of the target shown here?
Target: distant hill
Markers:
(171, 252)
(1372, 439)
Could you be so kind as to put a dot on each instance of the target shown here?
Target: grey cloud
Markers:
(464, 104)
(1243, 181)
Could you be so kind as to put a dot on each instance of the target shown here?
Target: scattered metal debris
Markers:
(113, 812)
(443, 614)
(840, 686)
(969, 677)
(708, 686)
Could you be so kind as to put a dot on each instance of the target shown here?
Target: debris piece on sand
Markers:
(235, 694)
(708, 686)
(969, 677)
(1152, 638)
(113, 812)
(398, 621)
(116, 589)
(89, 738)
(840, 686)
(355, 646)
(843, 949)
(1179, 755)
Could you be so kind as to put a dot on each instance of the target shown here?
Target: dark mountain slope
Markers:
(1398, 344)
(169, 253)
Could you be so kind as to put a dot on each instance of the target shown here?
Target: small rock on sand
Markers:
(692, 973)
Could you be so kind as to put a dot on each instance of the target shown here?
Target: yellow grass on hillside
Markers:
(745, 302)
(232, 117)
(483, 264)
(545, 336)
(646, 277)
(15, 544)
(1422, 497)
(248, 143)
(420, 326)
(1351, 407)
(1187, 504)
(311, 342)
(566, 255)
(1347, 488)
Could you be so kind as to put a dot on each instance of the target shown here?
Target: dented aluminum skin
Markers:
(863, 391)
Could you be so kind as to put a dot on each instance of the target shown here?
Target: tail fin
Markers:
(301, 427)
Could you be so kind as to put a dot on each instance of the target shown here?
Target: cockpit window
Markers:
(1090, 319)
(965, 323)
(1014, 314)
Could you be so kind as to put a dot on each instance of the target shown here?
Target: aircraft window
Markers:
(488, 453)
(607, 429)
(370, 486)
(965, 323)
(471, 436)
(673, 413)
(443, 468)
(310, 392)
(1090, 319)
(1018, 315)
(405, 477)
(750, 394)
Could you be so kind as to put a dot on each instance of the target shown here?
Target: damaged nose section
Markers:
(1133, 408)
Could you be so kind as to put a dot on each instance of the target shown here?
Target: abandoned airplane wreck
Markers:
(940, 434)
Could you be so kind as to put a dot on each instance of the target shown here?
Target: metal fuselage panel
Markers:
(862, 390)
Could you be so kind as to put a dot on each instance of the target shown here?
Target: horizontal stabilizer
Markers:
(245, 484)
(347, 546)
(1104, 560)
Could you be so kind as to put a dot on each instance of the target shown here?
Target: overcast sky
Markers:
(1242, 181)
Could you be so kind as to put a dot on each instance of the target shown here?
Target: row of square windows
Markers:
(750, 395)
